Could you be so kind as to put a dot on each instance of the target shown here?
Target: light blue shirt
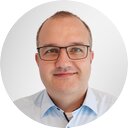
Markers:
(42, 109)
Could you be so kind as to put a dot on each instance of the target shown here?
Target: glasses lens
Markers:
(49, 53)
(77, 52)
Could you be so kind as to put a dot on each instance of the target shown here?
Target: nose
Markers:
(63, 59)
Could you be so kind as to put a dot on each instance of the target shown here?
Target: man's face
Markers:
(64, 76)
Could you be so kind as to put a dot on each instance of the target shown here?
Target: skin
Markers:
(67, 88)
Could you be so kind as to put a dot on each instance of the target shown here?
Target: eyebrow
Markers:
(72, 43)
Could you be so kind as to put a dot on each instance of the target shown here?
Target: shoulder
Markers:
(103, 100)
(103, 95)
(100, 95)
(29, 103)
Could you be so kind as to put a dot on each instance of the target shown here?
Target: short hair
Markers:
(61, 14)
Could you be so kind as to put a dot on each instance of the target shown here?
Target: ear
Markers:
(91, 56)
(37, 58)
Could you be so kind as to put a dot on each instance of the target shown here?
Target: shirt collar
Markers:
(44, 102)
(91, 101)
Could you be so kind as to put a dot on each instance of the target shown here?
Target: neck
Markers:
(69, 103)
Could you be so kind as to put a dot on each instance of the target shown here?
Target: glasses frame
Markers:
(66, 47)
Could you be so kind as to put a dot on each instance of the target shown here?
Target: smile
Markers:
(65, 74)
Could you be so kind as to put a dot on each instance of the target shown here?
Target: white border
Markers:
(12, 10)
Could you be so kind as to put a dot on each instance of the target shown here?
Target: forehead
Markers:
(63, 30)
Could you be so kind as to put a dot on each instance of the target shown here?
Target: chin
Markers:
(67, 87)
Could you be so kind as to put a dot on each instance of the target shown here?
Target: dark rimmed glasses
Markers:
(74, 52)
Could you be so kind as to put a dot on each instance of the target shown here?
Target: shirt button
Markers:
(58, 108)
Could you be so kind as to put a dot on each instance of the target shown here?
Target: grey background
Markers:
(18, 67)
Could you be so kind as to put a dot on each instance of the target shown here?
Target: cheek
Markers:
(84, 68)
(45, 70)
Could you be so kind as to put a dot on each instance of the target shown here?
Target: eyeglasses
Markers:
(74, 52)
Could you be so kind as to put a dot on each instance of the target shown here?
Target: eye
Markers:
(76, 50)
(52, 51)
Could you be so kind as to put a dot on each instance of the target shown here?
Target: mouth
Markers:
(64, 75)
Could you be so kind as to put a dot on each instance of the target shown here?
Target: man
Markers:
(64, 58)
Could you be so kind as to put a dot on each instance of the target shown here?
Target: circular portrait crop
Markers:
(63, 64)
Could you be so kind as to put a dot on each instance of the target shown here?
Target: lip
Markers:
(68, 74)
